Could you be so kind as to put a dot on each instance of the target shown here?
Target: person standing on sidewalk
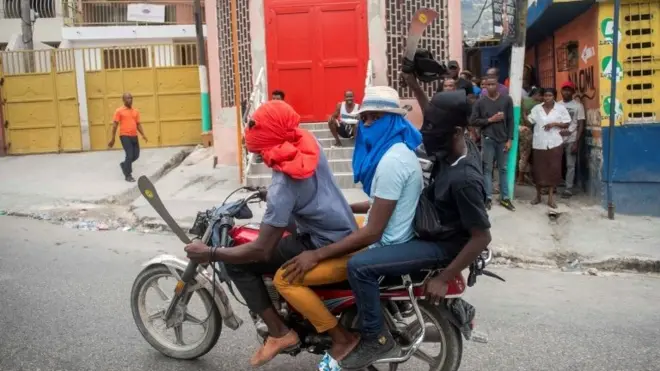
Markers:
(127, 119)
(573, 134)
(493, 114)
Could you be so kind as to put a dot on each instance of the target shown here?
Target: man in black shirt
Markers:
(459, 196)
(457, 187)
(493, 114)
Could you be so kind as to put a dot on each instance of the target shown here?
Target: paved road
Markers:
(64, 306)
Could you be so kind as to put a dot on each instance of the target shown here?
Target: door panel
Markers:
(315, 52)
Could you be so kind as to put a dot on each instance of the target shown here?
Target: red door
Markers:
(316, 50)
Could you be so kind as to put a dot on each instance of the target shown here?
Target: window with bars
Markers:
(640, 58)
(546, 63)
(568, 56)
(125, 58)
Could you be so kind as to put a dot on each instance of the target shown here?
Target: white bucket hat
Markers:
(381, 99)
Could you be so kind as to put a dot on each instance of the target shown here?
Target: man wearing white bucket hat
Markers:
(385, 164)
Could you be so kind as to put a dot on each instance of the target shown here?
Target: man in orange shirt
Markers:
(127, 119)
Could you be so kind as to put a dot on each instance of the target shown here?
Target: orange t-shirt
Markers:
(128, 119)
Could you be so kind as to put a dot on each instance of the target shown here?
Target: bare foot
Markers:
(339, 351)
(337, 144)
(552, 204)
(536, 201)
(273, 346)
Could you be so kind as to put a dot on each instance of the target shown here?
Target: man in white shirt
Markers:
(573, 134)
(343, 121)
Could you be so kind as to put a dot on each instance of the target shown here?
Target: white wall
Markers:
(45, 29)
(128, 33)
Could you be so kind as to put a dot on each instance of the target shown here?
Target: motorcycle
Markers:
(402, 297)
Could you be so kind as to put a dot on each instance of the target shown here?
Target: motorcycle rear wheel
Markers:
(451, 352)
(213, 324)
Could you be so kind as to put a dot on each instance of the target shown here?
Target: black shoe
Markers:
(130, 178)
(489, 204)
(369, 351)
(507, 204)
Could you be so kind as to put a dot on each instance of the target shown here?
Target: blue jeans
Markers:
(491, 151)
(366, 267)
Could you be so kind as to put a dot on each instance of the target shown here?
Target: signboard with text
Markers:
(504, 19)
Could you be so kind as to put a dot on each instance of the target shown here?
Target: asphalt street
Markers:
(64, 305)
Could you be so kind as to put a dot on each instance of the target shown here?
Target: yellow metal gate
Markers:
(164, 82)
(39, 101)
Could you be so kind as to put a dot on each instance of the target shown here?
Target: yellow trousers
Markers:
(304, 300)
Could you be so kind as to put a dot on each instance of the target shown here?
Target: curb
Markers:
(642, 265)
(128, 196)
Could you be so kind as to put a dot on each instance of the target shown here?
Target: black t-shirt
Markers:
(459, 196)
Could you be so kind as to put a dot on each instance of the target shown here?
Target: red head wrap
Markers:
(282, 144)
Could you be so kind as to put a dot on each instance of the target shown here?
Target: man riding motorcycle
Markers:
(457, 192)
(304, 191)
(385, 163)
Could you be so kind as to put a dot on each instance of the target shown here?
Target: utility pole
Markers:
(203, 73)
(26, 24)
(26, 30)
(610, 149)
(237, 88)
(515, 88)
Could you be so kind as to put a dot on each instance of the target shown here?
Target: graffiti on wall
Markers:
(584, 80)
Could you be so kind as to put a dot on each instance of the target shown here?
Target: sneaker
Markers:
(370, 351)
(489, 204)
(129, 178)
(507, 204)
(328, 364)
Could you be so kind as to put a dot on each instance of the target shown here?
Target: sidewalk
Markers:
(574, 235)
(42, 181)
(78, 189)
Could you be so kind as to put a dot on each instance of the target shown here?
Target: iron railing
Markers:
(129, 13)
(257, 98)
(11, 9)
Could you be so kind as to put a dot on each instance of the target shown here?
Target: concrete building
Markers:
(63, 99)
(314, 50)
(572, 40)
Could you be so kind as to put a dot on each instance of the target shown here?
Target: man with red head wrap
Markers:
(302, 191)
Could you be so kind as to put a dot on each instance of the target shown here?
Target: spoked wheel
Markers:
(197, 325)
(442, 348)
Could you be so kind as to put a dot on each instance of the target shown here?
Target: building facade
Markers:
(61, 96)
(577, 46)
(315, 50)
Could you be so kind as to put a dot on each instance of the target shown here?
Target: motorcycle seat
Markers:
(387, 282)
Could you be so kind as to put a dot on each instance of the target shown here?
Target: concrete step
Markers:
(339, 153)
(344, 180)
(328, 142)
(314, 126)
(336, 166)
(322, 133)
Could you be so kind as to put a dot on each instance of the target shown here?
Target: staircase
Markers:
(339, 158)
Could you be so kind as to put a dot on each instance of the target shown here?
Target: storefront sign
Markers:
(607, 31)
(606, 66)
(618, 110)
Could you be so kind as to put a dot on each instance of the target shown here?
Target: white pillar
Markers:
(82, 99)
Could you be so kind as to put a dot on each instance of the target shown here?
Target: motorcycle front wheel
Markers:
(171, 341)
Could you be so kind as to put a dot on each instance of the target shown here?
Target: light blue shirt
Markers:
(398, 178)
